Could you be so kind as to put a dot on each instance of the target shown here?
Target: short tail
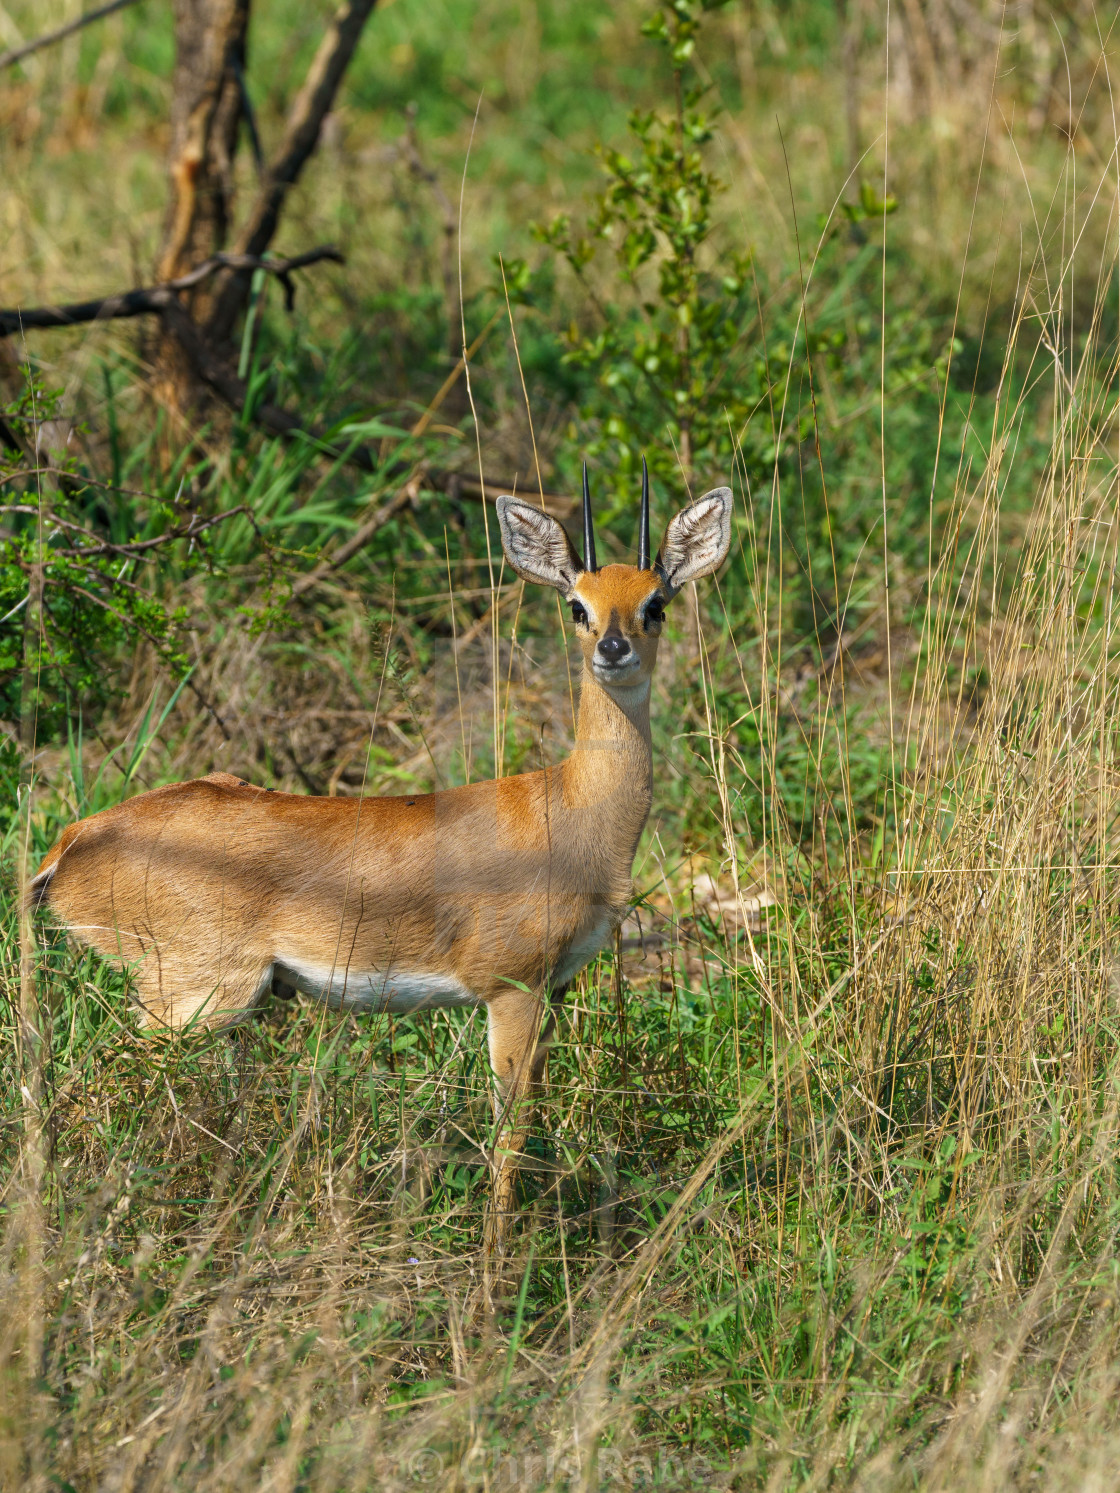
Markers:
(38, 888)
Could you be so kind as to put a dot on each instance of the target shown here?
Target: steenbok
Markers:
(496, 893)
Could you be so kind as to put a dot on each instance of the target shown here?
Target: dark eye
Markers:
(655, 613)
(579, 614)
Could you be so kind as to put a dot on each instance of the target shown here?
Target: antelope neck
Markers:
(612, 760)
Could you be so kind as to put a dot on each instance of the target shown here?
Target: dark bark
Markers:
(301, 135)
(210, 41)
(49, 38)
(155, 298)
(210, 52)
(209, 368)
(210, 103)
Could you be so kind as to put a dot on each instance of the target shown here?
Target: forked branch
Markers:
(301, 135)
(158, 298)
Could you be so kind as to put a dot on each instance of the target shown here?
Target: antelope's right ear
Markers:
(536, 546)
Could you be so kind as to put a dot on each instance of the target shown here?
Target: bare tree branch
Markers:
(216, 372)
(361, 536)
(154, 298)
(17, 54)
(301, 135)
(249, 114)
(194, 526)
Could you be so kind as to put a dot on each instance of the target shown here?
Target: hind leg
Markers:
(176, 991)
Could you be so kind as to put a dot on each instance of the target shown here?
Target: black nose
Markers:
(613, 647)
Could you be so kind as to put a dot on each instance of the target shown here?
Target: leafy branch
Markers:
(670, 358)
(69, 592)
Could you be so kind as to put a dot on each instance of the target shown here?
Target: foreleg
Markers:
(518, 1053)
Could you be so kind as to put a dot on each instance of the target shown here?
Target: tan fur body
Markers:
(210, 887)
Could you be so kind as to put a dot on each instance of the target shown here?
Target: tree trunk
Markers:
(206, 111)
(208, 105)
(298, 143)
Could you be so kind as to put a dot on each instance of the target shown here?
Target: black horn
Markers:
(643, 521)
(588, 527)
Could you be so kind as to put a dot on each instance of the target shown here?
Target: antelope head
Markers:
(618, 610)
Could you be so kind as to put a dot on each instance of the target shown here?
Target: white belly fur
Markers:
(402, 991)
(397, 991)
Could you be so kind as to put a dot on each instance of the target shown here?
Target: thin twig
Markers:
(130, 622)
(189, 530)
(83, 479)
(214, 371)
(360, 537)
(17, 54)
(248, 114)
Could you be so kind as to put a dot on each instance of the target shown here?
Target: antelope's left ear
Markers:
(696, 541)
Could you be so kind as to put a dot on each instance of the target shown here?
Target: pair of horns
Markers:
(589, 561)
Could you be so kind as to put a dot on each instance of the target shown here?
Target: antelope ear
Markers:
(696, 541)
(536, 546)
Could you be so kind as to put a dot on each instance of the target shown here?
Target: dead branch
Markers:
(83, 479)
(17, 54)
(361, 536)
(214, 371)
(158, 298)
(249, 115)
(191, 529)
